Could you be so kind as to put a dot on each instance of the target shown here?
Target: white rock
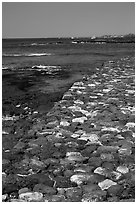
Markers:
(5, 133)
(93, 138)
(125, 151)
(106, 184)
(122, 169)
(80, 119)
(79, 102)
(31, 196)
(75, 135)
(68, 154)
(106, 90)
(4, 196)
(93, 97)
(78, 87)
(100, 170)
(79, 83)
(130, 125)
(91, 85)
(110, 129)
(75, 156)
(64, 123)
(74, 108)
(80, 178)
(18, 105)
(79, 92)
(37, 162)
(86, 113)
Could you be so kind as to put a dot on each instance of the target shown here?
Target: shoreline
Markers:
(82, 150)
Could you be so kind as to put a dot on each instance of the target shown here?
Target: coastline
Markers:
(86, 141)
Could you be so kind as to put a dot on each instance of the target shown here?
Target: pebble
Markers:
(114, 190)
(122, 169)
(100, 170)
(31, 196)
(106, 184)
(4, 197)
(79, 120)
(80, 178)
(75, 156)
(90, 187)
(95, 196)
(44, 189)
(23, 190)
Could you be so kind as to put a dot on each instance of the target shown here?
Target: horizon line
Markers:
(69, 36)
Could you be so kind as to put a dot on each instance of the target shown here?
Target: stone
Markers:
(88, 150)
(74, 194)
(75, 156)
(23, 190)
(113, 199)
(83, 169)
(41, 178)
(107, 157)
(16, 200)
(93, 138)
(110, 129)
(80, 178)
(19, 145)
(125, 151)
(64, 123)
(114, 190)
(90, 187)
(95, 196)
(122, 169)
(58, 198)
(101, 171)
(31, 196)
(95, 161)
(114, 175)
(108, 165)
(5, 161)
(4, 197)
(106, 184)
(9, 188)
(79, 120)
(130, 125)
(44, 189)
(106, 137)
(68, 173)
(36, 162)
(106, 149)
(63, 182)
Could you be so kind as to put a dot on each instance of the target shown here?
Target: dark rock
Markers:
(74, 194)
(10, 188)
(41, 178)
(44, 189)
(115, 190)
(95, 161)
(62, 182)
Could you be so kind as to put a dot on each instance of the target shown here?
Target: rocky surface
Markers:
(83, 150)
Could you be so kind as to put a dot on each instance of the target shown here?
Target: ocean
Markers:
(37, 72)
(27, 53)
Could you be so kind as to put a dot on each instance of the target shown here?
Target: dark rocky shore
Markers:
(82, 150)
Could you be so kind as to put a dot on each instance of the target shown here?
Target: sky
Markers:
(67, 19)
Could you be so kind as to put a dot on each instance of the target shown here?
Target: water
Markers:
(23, 53)
(37, 72)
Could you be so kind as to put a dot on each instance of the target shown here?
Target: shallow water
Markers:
(51, 66)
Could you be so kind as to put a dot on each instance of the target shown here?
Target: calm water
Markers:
(37, 72)
(27, 53)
